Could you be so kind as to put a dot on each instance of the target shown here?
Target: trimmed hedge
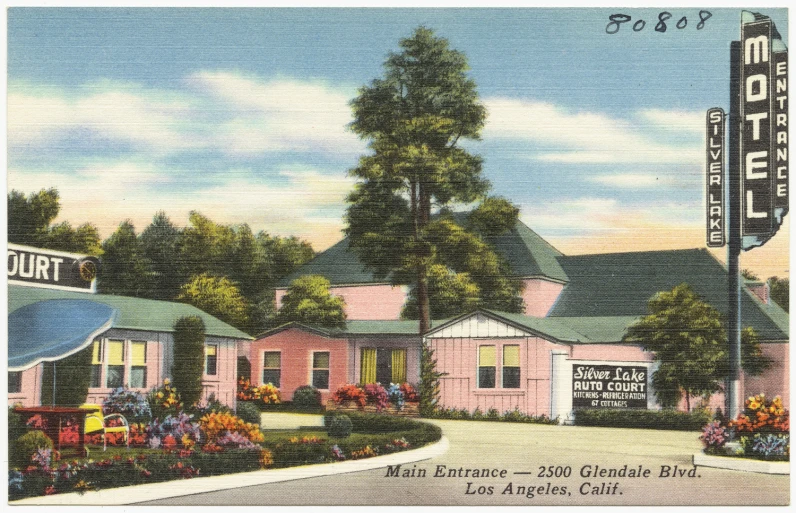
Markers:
(643, 419)
(381, 430)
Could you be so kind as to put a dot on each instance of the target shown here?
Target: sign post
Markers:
(757, 163)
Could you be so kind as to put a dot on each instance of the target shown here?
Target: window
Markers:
(511, 366)
(320, 370)
(14, 382)
(96, 364)
(486, 366)
(137, 364)
(114, 377)
(211, 359)
(272, 368)
(383, 366)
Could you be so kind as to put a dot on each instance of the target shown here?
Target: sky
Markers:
(241, 114)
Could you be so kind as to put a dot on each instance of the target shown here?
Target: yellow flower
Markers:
(166, 381)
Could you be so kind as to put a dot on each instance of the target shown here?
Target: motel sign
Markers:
(762, 135)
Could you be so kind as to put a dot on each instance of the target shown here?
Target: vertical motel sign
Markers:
(714, 138)
(764, 131)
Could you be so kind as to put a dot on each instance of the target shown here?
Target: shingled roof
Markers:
(621, 284)
(134, 313)
(526, 252)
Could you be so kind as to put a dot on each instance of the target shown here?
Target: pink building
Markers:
(135, 350)
(576, 311)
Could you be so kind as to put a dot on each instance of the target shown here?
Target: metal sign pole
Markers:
(733, 385)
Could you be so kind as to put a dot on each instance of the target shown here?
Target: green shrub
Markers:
(492, 415)
(248, 412)
(306, 397)
(189, 344)
(340, 426)
(27, 445)
(643, 419)
(72, 379)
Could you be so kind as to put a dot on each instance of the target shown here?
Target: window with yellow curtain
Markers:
(399, 366)
(368, 367)
(137, 364)
(487, 363)
(114, 376)
(96, 364)
(211, 359)
(511, 366)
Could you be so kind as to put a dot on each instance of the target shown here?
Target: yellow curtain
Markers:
(399, 365)
(138, 354)
(115, 352)
(486, 356)
(511, 356)
(95, 353)
(368, 371)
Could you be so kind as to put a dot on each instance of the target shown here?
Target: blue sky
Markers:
(240, 114)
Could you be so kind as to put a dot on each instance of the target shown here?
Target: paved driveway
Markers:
(519, 448)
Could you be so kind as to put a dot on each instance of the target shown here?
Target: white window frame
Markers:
(327, 369)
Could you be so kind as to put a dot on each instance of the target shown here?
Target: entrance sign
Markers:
(779, 95)
(609, 386)
(714, 171)
(37, 267)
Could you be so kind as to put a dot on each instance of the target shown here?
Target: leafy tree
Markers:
(125, 270)
(84, 239)
(219, 297)
(206, 246)
(29, 218)
(690, 342)
(780, 291)
(160, 243)
(749, 275)
(189, 364)
(308, 300)
(72, 379)
(414, 118)
(428, 389)
(494, 216)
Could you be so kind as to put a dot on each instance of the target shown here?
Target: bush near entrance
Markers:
(491, 414)
(643, 419)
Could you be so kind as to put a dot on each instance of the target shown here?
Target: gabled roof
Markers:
(621, 284)
(527, 254)
(339, 264)
(356, 328)
(133, 313)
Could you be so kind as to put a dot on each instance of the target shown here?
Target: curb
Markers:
(741, 464)
(177, 488)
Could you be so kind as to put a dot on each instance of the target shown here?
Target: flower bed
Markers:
(761, 432)
(218, 443)
(397, 399)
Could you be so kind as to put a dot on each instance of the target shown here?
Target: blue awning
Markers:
(51, 330)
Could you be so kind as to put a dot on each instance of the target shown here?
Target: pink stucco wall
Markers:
(366, 302)
(223, 385)
(297, 347)
(540, 295)
(618, 352)
(30, 388)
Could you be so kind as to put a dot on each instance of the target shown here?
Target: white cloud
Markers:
(584, 137)
(131, 116)
(675, 120)
(588, 216)
(302, 201)
(632, 180)
(279, 115)
(236, 115)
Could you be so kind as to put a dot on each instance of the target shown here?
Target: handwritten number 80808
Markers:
(616, 21)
